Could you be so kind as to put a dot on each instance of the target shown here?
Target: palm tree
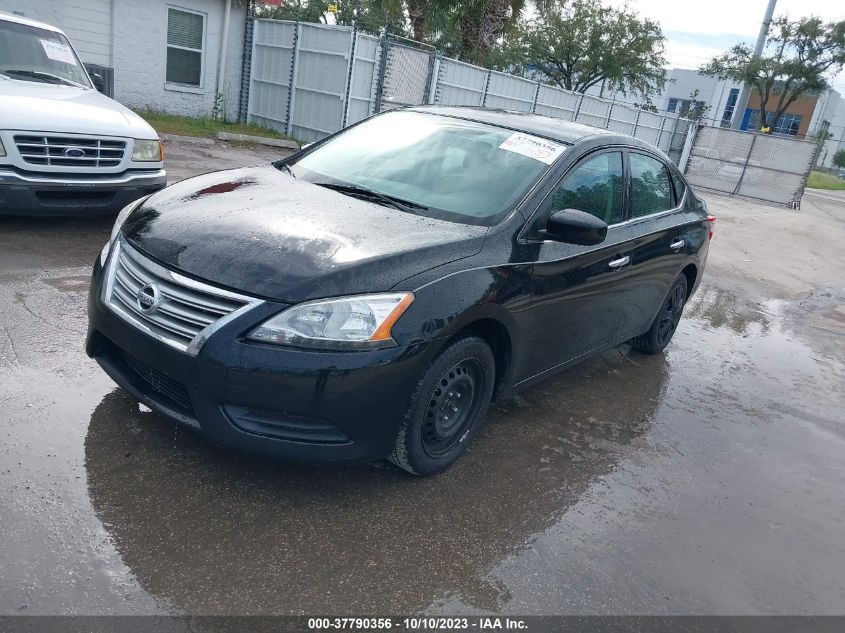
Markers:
(495, 16)
(480, 23)
(417, 13)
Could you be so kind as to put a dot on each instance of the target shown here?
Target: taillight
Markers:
(712, 220)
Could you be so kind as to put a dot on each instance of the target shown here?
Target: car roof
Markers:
(548, 127)
(19, 19)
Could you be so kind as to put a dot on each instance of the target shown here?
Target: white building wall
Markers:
(682, 83)
(837, 142)
(825, 110)
(140, 54)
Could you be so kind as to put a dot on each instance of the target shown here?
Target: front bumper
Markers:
(295, 403)
(30, 193)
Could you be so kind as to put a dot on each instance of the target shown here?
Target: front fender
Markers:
(454, 302)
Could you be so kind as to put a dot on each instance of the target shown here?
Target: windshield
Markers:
(444, 167)
(32, 54)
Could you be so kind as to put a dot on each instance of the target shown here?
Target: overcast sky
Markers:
(696, 30)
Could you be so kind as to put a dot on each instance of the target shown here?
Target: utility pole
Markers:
(745, 91)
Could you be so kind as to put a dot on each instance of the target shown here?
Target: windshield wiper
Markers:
(48, 77)
(287, 168)
(354, 190)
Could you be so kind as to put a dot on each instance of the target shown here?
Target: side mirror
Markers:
(575, 227)
(99, 84)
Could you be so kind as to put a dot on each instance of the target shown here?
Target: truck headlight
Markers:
(146, 151)
(361, 322)
(2, 149)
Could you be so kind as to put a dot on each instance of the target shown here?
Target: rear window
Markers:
(650, 188)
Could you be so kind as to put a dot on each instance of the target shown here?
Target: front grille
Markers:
(161, 387)
(66, 151)
(184, 310)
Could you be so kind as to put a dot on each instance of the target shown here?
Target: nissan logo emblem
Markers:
(74, 152)
(148, 298)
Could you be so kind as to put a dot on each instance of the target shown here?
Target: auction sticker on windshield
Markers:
(533, 147)
(58, 52)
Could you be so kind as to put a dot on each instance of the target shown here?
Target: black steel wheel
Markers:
(666, 322)
(453, 405)
(447, 408)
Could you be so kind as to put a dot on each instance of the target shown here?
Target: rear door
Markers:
(658, 231)
(578, 290)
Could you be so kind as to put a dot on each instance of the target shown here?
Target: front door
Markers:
(578, 290)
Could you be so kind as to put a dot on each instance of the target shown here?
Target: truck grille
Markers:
(174, 309)
(66, 151)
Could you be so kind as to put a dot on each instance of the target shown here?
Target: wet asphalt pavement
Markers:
(709, 480)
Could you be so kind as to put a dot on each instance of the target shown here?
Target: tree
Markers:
(373, 15)
(472, 29)
(839, 159)
(578, 44)
(796, 59)
(697, 109)
(417, 13)
(493, 16)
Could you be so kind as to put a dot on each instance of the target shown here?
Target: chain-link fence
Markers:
(766, 167)
(310, 80)
(405, 73)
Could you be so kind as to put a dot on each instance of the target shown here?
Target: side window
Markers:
(650, 189)
(679, 185)
(595, 187)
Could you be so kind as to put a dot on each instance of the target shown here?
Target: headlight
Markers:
(2, 149)
(118, 223)
(145, 151)
(362, 322)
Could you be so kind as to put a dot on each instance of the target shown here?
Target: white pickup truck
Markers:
(65, 149)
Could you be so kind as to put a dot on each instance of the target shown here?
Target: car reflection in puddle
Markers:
(214, 531)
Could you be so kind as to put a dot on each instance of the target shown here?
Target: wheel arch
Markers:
(496, 334)
(690, 271)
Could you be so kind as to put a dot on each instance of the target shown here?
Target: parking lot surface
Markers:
(709, 480)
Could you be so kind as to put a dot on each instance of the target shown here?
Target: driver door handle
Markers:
(677, 245)
(618, 263)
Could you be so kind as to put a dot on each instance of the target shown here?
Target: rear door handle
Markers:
(677, 245)
(618, 263)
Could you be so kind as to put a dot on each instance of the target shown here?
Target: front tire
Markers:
(665, 323)
(447, 408)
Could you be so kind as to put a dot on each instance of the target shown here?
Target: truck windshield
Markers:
(439, 166)
(28, 53)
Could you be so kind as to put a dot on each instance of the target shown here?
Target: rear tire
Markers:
(447, 408)
(665, 323)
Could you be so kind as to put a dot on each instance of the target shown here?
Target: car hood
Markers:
(261, 231)
(30, 105)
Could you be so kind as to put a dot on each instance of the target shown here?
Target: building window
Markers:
(730, 106)
(787, 124)
(684, 106)
(185, 35)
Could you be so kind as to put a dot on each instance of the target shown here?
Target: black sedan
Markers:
(371, 295)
